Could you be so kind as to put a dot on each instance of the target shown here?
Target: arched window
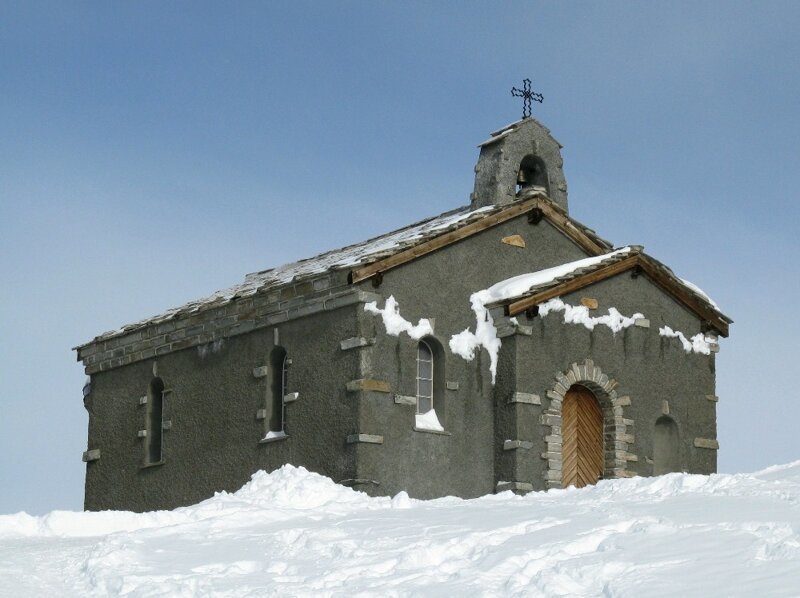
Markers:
(430, 383)
(278, 377)
(155, 420)
(424, 377)
(666, 446)
(532, 173)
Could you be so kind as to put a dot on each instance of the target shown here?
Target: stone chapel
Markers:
(499, 346)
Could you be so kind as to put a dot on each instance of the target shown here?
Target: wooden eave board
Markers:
(664, 281)
(550, 212)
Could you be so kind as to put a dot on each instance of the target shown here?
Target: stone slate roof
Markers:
(635, 258)
(510, 128)
(373, 251)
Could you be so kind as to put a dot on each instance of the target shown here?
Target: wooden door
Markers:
(582, 438)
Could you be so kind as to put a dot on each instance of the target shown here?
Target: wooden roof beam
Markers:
(664, 281)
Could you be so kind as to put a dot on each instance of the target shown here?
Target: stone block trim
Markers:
(526, 398)
(368, 384)
(91, 455)
(261, 414)
(642, 323)
(211, 324)
(706, 443)
(713, 398)
(356, 342)
(617, 429)
(405, 400)
(514, 486)
(365, 439)
(510, 445)
(291, 397)
(511, 329)
(451, 385)
(260, 371)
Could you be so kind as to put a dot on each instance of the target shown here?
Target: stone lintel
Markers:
(405, 400)
(356, 342)
(526, 398)
(91, 455)
(364, 439)
(511, 329)
(706, 443)
(367, 384)
(510, 445)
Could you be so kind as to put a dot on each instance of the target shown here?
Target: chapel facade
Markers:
(500, 346)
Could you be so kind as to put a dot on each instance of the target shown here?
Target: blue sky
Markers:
(151, 153)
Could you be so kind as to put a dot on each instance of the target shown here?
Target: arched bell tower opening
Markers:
(532, 173)
(515, 160)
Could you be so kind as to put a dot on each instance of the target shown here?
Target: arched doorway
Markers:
(666, 446)
(582, 438)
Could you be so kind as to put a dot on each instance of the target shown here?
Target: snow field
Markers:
(297, 533)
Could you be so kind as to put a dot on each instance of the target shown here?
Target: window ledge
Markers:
(153, 464)
(427, 431)
(273, 439)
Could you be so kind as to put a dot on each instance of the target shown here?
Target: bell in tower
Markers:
(533, 175)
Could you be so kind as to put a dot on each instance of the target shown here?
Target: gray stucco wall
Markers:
(359, 432)
(462, 461)
(649, 370)
(213, 443)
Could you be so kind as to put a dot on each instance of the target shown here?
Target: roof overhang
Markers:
(538, 207)
(641, 264)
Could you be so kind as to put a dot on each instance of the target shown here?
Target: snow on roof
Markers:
(338, 259)
(529, 284)
(524, 283)
(700, 292)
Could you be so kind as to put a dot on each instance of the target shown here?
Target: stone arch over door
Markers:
(617, 429)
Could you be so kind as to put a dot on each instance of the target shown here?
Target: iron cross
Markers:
(527, 96)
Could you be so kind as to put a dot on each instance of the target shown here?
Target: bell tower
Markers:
(517, 159)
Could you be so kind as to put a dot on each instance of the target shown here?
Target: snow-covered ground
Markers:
(296, 533)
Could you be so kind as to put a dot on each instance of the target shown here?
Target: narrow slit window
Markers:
(279, 376)
(155, 421)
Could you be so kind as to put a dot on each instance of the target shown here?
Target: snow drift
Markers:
(293, 532)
